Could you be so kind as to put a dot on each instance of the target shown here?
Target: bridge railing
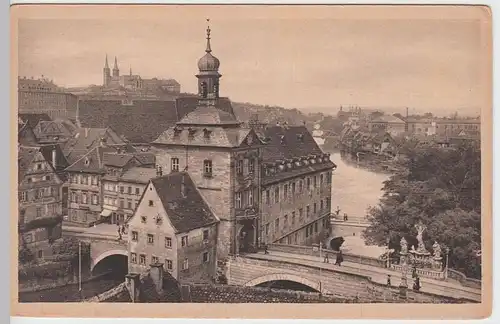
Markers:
(463, 279)
(308, 250)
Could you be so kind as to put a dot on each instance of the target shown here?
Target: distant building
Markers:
(452, 126)
(421, 126)
(54, 131)
(123, 185)
(387, 123)
(173, 226)
(94, 177)
(40, 182)
(135, 82)
(43, 96)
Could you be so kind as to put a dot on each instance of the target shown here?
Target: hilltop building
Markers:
(43, 96)
(134, 81)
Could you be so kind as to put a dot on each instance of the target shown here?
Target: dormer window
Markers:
(300, 137)
(191, 131)
(87, 161)
(177, 131)
(206, 133)
(297, 163)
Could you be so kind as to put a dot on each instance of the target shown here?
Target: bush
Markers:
(67, 249)
(25, 255)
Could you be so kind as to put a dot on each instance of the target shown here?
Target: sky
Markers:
(311, 61)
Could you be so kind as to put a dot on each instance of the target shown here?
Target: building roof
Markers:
(85, 139)
(209, 115)
(117, 159)
(33, 119)
(138, 175)
(186, 212)
(26, 155)
(195, 136)
(458, 121)
(145, 158)
(286, 142)
(140, 121)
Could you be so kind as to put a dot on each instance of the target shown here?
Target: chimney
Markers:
(133, 282)
(183, 187)
(156, 274)
(54, 158)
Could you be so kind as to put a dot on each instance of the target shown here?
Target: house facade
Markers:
(40, 182)
(173, 225)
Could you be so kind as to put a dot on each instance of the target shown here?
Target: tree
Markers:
(68, 249)
(441, 188)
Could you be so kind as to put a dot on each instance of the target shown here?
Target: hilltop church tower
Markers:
(106, 73)
(116, 71)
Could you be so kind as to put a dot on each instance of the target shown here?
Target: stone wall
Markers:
(345, 229)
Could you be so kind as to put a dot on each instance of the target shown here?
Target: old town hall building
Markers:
(265, 185)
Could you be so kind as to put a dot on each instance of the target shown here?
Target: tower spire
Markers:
(116, 64)
(209, 49)
(130, 70)
(106, 66)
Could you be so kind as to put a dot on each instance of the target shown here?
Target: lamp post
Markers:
(388, 252)
(320, 247)
(446, 264)
(80, 269)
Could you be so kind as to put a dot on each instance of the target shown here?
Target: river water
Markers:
(355, 189)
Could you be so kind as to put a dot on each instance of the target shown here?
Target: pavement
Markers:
(448, 288)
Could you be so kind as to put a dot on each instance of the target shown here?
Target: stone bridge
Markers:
(101, 245)
(349, 280)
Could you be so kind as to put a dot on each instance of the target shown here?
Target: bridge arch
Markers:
(106, 254)
(285, 276)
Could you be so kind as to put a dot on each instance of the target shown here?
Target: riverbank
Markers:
(71, 292)
(30, 287)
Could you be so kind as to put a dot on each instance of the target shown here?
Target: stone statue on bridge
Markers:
(404, 246)
(437, 250)
(420, 230)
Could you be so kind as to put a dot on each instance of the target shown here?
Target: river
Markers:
(354, 188)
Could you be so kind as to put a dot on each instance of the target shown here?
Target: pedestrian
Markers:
(119, 234)
(326, 260)
(414, 272)
(345, 216)
(265, 249)
(416, 285)
(388, 280)
(339, 259)
(338, 211)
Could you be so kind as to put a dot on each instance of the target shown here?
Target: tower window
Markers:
(206, 133)
(207, 167)
(174, 164)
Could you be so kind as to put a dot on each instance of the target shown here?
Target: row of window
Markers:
(168, 240)
(309, 231)
(121, 189)
(85, 179)
(244, 199)
(207, 166)
(86, 215)
(39, 193)
(84, 198)
(295, 187)
(168, 263)
(324, 204)
(110, 201)
(37, 179)
(41, 211)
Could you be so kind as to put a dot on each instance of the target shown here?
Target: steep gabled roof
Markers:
(91, 162)
(26, 154)
(209, 115)
(388, 119)
(186, 212)
(195, 136)
(139, 175)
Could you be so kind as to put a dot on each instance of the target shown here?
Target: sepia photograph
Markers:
(243, 155)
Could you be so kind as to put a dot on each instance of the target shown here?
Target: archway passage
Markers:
(114, 266)
(287, 285)
(247, 236)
